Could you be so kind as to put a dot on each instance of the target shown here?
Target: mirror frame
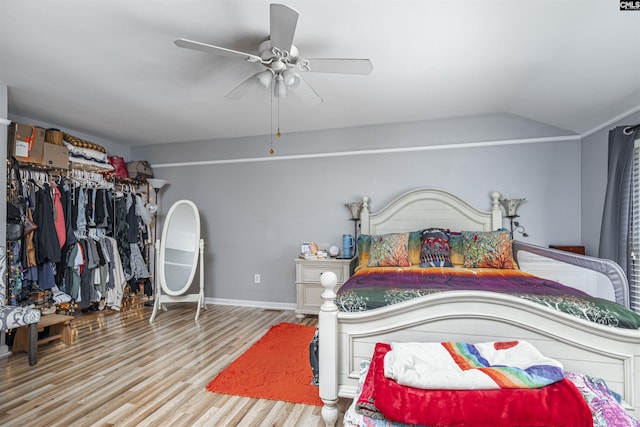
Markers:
(166, 229)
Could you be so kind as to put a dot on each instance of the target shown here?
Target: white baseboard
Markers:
(246, 303)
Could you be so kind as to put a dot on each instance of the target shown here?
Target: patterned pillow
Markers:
(435, 250)
(364, 245)
(456, 247)
(488, 249)
(389, 250)
(415, 245)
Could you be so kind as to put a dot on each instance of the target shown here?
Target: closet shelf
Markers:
(38, 166)
(80, 167)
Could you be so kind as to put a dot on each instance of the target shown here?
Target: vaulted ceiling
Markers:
(111, 69)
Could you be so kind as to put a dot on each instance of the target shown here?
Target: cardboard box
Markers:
(25, 142)
(55, 156)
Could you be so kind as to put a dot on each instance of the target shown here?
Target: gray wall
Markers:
(257, 209)
(594, 181)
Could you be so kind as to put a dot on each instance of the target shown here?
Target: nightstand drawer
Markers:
(309, 297)
(311, 273)
(308, 287)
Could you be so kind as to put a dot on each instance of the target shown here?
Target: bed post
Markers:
(496, 212)
(328, 349)
(364, 216)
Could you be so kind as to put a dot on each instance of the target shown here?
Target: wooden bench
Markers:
(59, 328)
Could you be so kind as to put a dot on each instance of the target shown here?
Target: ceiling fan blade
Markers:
(305, 92)
(283, 26)
(335, 65)
(243, 88)
(203, 47)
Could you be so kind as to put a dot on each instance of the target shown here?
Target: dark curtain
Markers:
(616, 217)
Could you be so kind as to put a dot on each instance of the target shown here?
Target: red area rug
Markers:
(276, 367)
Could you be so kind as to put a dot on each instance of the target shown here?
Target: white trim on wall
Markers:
(375, 151)
(268, 305)
(611, 122)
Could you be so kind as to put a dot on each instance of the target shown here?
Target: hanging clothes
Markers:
(138, 267)
(46, 276)
(89, 210)
(58, 217)
(73, 266)
(29, 244)
(45, 237)
(88, 292)
(79, 210)
(82, 239)
(132, 220)
(121, 232)
(115, 292)
(67, 208)
(102, 212)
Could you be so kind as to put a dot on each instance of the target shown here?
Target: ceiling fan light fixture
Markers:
(280, 88)
(264, 78)
(291, 79)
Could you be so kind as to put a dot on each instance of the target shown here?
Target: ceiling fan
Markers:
(282, 61)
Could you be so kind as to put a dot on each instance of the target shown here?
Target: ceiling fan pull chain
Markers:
(271, 151)
(278, 134)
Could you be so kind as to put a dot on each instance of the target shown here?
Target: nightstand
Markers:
(308, 287)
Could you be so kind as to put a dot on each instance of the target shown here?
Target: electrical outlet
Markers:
(256, 278)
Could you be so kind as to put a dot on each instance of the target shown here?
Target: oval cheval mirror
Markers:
(178, 254)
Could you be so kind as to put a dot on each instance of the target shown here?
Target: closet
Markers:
(90, 248)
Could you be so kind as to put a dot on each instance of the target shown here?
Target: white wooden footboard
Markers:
(612, 354)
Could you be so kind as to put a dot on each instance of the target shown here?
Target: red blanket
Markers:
(559, 404)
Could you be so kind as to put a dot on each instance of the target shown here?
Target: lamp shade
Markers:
(280, 89)
(157, 183)
(264, 78)
(511, 206)
(291, 79)
(354, 208)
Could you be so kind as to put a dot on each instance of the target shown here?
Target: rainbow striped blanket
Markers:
(462, 366)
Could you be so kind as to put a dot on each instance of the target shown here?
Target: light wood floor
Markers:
(122, 371)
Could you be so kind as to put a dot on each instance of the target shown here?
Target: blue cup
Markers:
(347, 245)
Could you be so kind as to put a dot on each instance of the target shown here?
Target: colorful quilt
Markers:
(377, 287)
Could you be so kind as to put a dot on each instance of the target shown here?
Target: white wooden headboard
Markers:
(428, 207)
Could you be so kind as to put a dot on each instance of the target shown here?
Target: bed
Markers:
(347, 339)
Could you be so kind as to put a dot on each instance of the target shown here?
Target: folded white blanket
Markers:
(86, 153)
(462, 366)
